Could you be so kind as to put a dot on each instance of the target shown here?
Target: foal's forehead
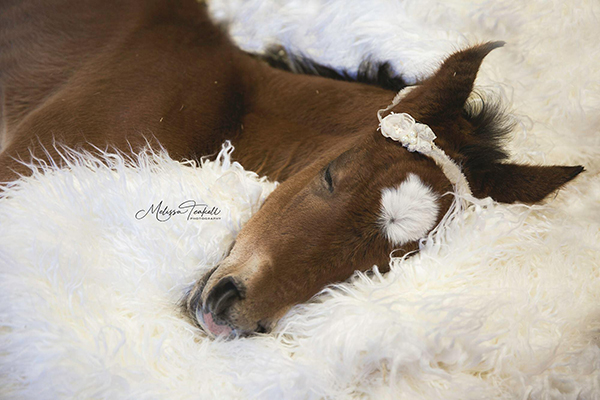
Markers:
(383, 163)
(408, 188)
(394, 162)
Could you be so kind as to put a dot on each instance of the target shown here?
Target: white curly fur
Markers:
(502, 302)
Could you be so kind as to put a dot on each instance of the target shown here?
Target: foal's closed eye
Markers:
(327, 178)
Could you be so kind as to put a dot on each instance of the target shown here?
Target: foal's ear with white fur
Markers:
(509, 183)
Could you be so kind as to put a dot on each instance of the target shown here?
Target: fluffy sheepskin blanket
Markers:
(504, 304)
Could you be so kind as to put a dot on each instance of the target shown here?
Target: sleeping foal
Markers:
(117, 74)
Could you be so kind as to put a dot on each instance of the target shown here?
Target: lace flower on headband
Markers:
(419, 137)
(404, 129)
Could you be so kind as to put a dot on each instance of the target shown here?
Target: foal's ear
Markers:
(509, 183)
(445, 93)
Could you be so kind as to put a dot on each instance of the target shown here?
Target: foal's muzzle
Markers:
(213, 314)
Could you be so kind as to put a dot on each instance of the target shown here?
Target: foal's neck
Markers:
(294, 121)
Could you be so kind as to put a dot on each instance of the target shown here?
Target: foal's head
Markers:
(351, 208)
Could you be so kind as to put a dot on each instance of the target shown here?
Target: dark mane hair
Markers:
(369, 72)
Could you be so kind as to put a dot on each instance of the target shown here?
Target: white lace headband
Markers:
(419, 137)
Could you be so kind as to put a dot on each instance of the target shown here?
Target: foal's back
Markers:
(113, 72)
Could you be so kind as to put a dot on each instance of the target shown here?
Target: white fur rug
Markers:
(506, 306)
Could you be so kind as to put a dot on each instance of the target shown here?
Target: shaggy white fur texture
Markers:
(504, 302)
(408, 211)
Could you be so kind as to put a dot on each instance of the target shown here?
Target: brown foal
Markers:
(117, 74)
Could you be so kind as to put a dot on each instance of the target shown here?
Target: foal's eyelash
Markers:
(327, 177)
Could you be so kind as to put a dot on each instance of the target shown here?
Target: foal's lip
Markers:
(213, 328)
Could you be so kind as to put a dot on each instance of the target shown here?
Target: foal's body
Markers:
(119, 74)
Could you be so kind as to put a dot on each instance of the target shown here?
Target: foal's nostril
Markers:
(222, 296)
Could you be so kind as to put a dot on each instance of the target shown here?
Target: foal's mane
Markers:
(369, 72)
(490, 122)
